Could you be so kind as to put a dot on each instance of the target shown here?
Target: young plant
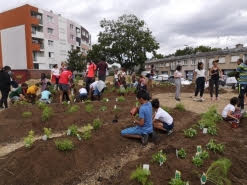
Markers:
(210, 118)
(175, 181)
(88, 102)
(96, 124)
(130, 90)
(41, 105)
(142, 176)
(105, 100)
(190, 132)
(204, 155)
(46, 114)
(197, 160)
(65, 103)
(159, 157)
(47, 132)
(180, 107)
(73, 108)
(181, 153)
(103, 108)
(64, 144)
(215, 147)
(120, 99)
(72, 130)
(212, 130)
(86, 132)
(89, 108)
(27, 114)
(29, 139)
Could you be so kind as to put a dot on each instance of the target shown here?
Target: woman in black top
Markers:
(5, 82)
(215, 74)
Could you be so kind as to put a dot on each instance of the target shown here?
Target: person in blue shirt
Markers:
(46, 96)
(242, 69)
(144, 126)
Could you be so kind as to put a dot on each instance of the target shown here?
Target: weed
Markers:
(215, 147)
(29, 139)
(96, 124)
(47, 113)
(180, 107)
(141, 175)
(103, 108)
(72, 130)
(190, 132)
(159, 157)
(27, 114)
(181, 153)
(47, 132)
(64, 144)
(73, 108)
(89, 108)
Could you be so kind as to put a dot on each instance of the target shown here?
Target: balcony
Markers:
(37, 32)
(36, 46)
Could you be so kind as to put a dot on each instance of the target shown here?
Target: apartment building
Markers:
(32, 38)
(227, 61)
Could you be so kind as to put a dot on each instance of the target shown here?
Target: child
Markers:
(43, 81)
(46, 96)
(144, 125)
(19, 93)
(230, 113)
(82, 94)
(97, 89)
(31, 93)
(162, 120)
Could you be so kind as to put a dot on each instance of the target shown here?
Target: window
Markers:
(51, 66)
(50, 30)
(234, 58)
(50, 42)
(185, 62)
(49, 18)
(167, 64)
(71, 37)
(51, 54)
(193, 62)
(36, 66)
(71, 26)
(222, 60)
(78, 30)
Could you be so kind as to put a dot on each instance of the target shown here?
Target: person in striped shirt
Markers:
(242, 69)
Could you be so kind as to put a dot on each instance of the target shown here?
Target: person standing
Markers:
(102, 67)
(177, 77)
(215, 73)
(242, 69)
(55, 76)
(64, 80)
(199, 75)
(5, 82)
(90, 75)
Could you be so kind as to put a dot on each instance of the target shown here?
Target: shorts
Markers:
(64, 87)
(134, 131)
(168, 127)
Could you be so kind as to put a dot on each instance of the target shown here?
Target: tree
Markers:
(96, 53)
(76, 61)
(191, 50)
(126, 40)
(158, 56)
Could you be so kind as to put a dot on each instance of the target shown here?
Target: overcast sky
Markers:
(174, 23)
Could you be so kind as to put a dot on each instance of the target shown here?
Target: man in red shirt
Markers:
(102, 67)
(90, 75)
(64, 79)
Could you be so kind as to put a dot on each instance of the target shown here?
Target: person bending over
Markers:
(46, 96)
(162, 119)
(144, 125)
(32, 93)
(19, 94)
(97, 89)
(230, 113)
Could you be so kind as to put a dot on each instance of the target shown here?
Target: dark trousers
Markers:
(200, 85)
(242, 92)
(102, 77)
(4, 99)
(88, 82)
(212, 83)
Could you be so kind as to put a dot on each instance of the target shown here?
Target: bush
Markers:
(27, 114)
(215, 147)
(159, 157)
(181, 153)
(96, 124)
(64, 144)
(29, 139)
(73, 108)
(120, 99)
(46, 114)
(72, 130)
(103, 108)
(89, 108)
(190, 132)
(47, 132)
(141, 175)
(180, 107)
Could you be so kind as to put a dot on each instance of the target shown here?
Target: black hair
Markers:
(234, 101)
(199, 65)
(178, 68)
(6, 68)
(155, 103)
(152, 66)
(24, 85)
(55, 65)
(240, 60)
(143, 94)
(43, 76)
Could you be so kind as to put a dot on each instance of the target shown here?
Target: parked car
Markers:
(161, 78)
(231, 81)
(185, 82)
(144, 73)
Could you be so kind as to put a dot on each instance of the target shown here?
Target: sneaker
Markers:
(144, 139)
(202, 99)
(169, 132)
(177, 99)
(196, 99)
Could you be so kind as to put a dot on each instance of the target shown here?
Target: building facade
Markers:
(227, 61)
(31, 38)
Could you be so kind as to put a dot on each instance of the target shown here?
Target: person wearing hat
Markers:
(5, 83)
(215, 74)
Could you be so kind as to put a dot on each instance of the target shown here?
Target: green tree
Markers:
(158, 56)
(96, 53)
(76, 61)
(191, 50)
(126, 40)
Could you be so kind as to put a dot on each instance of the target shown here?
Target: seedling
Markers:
(204, 155)
(130, 90)
(209, 119)
(65, 103)
(180, 107)
(142, 176)
(103, 108)
(86, 132)
(215, 147)
(177, 179)
(47, 132)
(212, 130)
(181, 153)
(96, 124)
(122, 91)
(159, 157)
(73, 108)
(197, 161)
(105, 100)
(26, 114)
(120, 99)
(88, 102)
(89, 108)
(190, 132)
(41, 105)
(29, 139)
(72, 130)
(46, 114)
(64, 144)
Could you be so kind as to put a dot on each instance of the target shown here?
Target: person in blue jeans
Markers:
(45, 96)
(242, 69)
(144, 125)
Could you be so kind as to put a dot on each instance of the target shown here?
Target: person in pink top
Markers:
(64, 86)
(90, 76)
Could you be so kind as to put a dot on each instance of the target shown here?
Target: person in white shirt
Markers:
(199, 75)
(177, 77)
(162, 120)
(230, 112)
(97, 89)
(82, 94)
(55, 73)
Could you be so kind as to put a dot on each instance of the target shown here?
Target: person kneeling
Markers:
(82, 96)
(144, 125)
(45, 96)
(162, 119)
(32, 93)
(97, 89)
(230, 113)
